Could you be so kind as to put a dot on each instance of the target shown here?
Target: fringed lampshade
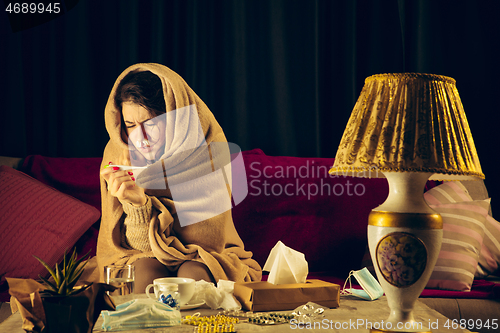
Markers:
(409, 122)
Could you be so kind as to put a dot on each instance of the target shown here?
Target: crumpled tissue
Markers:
(140, 313)
(220, 297)
(286, 265)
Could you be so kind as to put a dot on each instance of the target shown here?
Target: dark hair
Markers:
(143, 88)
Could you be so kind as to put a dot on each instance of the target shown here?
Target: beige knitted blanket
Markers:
(213, 240)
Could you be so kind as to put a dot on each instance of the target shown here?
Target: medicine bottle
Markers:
(169, 295)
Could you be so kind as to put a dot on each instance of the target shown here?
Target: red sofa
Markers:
(290, 199)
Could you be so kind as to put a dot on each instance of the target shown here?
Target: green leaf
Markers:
(63, 288)
(71, 264)
(78, 275)
(55, 293)
(79, 269)
(76, 271)
(77, 262)
(51, 271)
(64, 262)
(49, 284)
(79, 290)
(59, 276)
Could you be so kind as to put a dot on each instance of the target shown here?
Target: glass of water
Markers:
(122, 277)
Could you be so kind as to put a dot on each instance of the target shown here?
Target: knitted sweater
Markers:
(135, 230)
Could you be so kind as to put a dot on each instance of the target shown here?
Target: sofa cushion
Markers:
(463, 233)
(36, 219)
(76, 176)
(448, 192)
(489, 258)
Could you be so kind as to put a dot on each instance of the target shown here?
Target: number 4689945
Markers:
(33, 8)
(471, 324)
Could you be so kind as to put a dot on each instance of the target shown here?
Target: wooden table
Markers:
(353, 315)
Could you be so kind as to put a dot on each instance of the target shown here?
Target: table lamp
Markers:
(408, 128)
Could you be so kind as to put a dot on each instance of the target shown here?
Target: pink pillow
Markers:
(37, 220)
(463, 234)
(448, 192)
(489, 258)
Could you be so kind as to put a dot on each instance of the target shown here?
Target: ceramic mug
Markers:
(186, 288)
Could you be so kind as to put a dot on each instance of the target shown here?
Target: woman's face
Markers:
(146, 133)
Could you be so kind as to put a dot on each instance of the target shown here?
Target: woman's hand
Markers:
(121, 184)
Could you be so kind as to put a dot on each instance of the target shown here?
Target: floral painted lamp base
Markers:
(404, 245)
(401, 258)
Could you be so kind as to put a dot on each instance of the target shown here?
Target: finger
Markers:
(119, 175)
(115, 179)
(113, 186)
(124, 189)
(107, 172)
(124, 177)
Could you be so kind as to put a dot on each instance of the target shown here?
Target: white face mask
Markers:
(371, 288)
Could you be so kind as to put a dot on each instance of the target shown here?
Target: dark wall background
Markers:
(280, 75)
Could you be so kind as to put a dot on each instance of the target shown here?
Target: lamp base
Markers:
(404, 246)
(404, 259)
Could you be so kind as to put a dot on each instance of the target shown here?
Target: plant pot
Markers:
(76, 313)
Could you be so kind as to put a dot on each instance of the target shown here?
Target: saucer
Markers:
(190, 306)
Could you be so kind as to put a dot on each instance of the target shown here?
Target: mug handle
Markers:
(147, 291)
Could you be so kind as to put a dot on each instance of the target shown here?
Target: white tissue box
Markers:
(265, 296)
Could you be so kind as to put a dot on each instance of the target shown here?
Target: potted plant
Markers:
(65, 276)
(68, 307)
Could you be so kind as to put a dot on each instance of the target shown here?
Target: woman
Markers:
(153, 220)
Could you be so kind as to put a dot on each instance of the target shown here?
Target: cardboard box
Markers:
(265, 296)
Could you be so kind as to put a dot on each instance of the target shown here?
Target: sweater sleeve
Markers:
(135, 230)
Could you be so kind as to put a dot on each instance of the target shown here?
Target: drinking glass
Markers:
(122, 277)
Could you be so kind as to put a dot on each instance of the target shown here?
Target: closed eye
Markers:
(149, 123)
